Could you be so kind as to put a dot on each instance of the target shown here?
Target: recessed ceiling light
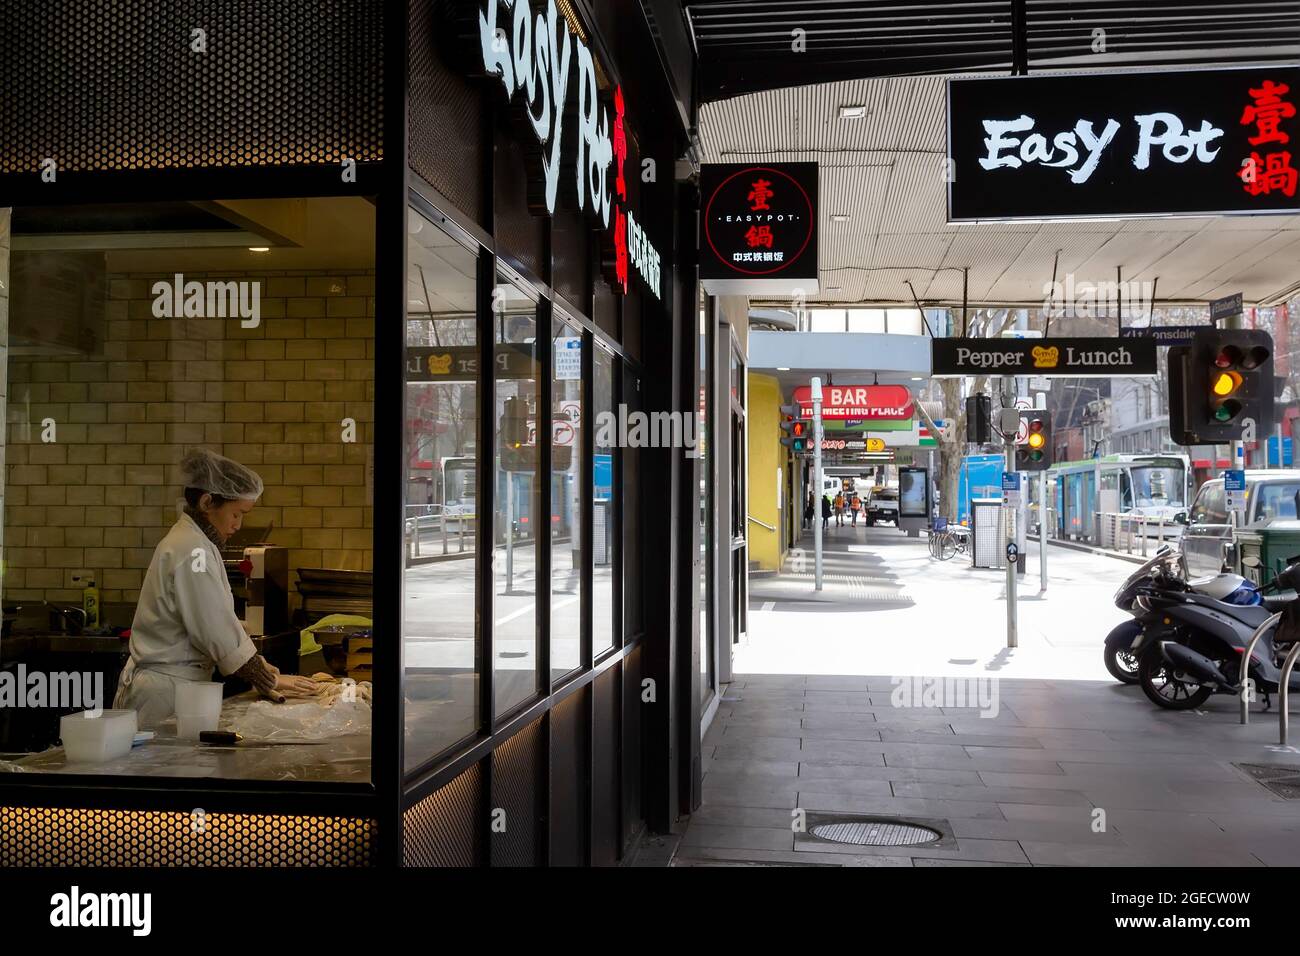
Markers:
(852, 112)
(839, 217)
(833, 288)
(918, 378)
(259, 248)
(783, 368)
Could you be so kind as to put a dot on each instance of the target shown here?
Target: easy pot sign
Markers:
(1079, 357)
(862, 403)
(760, 227)
(1175, 142)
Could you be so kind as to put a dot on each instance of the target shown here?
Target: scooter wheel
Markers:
(1121, 663)
(1163, 688)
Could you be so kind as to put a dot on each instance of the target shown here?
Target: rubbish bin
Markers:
(986, 520)
(1261, 552)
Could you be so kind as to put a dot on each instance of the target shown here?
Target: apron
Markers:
(150, 692)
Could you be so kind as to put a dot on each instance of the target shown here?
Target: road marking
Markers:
(768, 605)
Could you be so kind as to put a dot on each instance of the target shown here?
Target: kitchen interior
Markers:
(107, 381)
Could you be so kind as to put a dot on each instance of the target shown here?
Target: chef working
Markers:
(185, 623)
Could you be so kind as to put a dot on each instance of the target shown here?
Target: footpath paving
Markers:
(1024, 756)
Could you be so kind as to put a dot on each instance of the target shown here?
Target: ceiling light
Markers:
(918, 378)
(833, 288)
(839, 217)
(259, 248)
(783, 368)
(852, 112)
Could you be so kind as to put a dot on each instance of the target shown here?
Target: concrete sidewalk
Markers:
(1049, 761)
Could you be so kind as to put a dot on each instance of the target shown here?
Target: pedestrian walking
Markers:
(839, 510)
(808, 512)
(857, 508)
(826, 510)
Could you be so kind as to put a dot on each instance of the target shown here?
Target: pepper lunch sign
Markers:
(536, 56)
(1175, 142)
(1072, 357)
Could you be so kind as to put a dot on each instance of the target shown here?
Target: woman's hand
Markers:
(291, 685)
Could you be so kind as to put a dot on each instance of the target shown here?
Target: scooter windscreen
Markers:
(1168, 561)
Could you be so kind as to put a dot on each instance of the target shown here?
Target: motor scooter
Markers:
(1166, 571)
(1193, 644)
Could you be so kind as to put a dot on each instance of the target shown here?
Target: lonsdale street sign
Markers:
(1045, 358)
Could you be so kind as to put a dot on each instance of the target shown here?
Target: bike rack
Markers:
(1245, 667)
(1283, 687)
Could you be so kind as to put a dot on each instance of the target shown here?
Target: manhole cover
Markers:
(1279, 778)
(875, 833)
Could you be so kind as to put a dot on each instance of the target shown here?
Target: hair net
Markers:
(208, 471)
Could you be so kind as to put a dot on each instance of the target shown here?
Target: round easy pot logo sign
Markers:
(761, 220)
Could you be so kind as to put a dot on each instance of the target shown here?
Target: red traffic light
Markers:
(797, 429)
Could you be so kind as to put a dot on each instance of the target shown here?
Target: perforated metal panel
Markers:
(570, 744)
(445, 141)
(444, 829)
(60, 836)
(518, 785)
(118, 86)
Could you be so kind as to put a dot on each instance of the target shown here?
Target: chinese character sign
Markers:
(760, 223)
(1269, 112)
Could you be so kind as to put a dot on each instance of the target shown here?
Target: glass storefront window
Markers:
(441, 639)
(137, 340)
(707, 669)
(605, 538)
(517, 515)
(566, 501)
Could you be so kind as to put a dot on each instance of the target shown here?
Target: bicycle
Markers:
(947, 542)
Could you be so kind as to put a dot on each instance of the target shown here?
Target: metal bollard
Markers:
(1142, 531)
(1283, 691)
(417, 536)
(1245, 664)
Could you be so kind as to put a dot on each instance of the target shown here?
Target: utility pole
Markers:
(1009, 511)
(1042, 513)
(816, 389)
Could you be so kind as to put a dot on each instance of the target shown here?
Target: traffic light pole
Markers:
(1043, 511)
(817, 469)
(1009, 401)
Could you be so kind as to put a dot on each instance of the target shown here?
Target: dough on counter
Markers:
(321, 677)
(329, 694)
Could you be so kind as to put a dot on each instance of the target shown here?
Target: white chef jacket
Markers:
(185, 622)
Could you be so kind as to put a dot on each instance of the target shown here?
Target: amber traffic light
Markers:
(1035, 453)
(1221, 387)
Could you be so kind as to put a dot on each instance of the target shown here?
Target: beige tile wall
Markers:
(100, 497)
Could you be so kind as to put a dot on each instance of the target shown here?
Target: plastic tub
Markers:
(96, 739)
(198, 708)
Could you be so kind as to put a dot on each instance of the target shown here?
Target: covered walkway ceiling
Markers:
(884, 170)
(748, 45)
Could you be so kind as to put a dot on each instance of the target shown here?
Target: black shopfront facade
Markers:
(485, 277)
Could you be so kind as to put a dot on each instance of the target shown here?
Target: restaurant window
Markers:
(189, 410)
(566, 501)
(440, 635)
(605, 538)
(517, 518)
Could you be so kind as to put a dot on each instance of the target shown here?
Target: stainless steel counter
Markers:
(343, 759)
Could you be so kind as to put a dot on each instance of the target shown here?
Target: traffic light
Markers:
(1221, 387)
(1036, 453)
(796, 432)
(512, 437)
(979, 419)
